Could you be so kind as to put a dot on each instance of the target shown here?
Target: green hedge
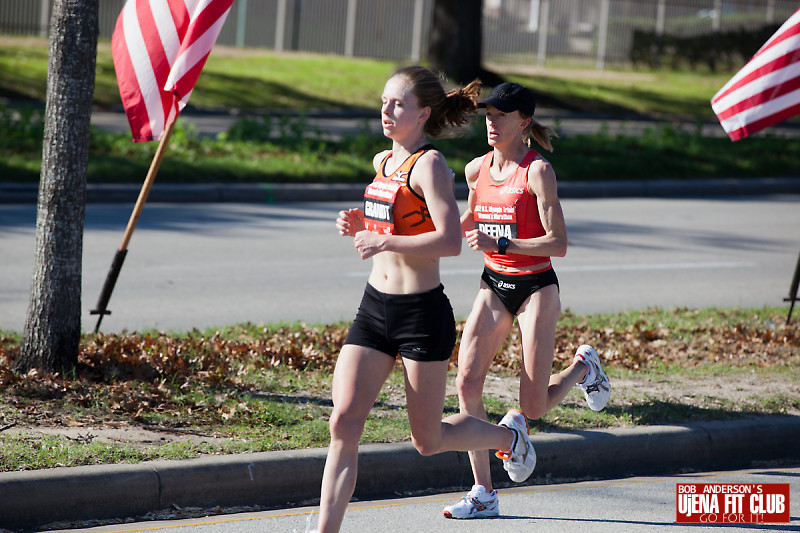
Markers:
(721, 51)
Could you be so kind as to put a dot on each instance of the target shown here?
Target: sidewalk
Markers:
(289, 478)
(15, 193)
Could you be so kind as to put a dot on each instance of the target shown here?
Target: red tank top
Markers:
(391, 205)
(508, 210)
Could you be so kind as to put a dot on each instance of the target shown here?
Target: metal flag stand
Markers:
(101, 308)
(793, 291)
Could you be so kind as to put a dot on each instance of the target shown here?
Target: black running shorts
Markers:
(418, 326)
(514, 289)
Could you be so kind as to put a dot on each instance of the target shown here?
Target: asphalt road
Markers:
(207, 265)
(632, 505)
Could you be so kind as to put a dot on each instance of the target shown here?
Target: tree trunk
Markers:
(455, 45)
(53, 325)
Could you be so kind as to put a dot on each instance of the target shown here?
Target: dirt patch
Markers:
(139, 437)
(737, 391)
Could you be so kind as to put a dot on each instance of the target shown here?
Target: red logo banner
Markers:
(727, 503)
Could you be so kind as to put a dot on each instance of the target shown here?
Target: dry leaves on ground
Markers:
(132, 374)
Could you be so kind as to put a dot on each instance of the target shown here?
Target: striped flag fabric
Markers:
(159, 49)
(767, 89)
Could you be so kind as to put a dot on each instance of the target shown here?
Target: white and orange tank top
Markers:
(507, 209)
(391, 205)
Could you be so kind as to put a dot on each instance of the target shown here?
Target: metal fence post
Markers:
(350, 30)
(241, 19)
(44, 18)
(661, 16)
(533, 17)
(280, 25)
(416, 33)
(544, 26)
(602, 37)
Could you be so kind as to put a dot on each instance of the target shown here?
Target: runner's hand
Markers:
(368, 243)
(350, 222)
(480, 241)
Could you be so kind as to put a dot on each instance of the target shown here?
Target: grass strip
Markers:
(258, 151)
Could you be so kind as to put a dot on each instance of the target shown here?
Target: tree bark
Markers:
(456, 41)
(51, 338)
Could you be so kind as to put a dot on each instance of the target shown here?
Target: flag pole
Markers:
(793, 294)
(101, 308)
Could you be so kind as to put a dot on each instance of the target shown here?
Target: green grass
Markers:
(20, 452)
(261, 80)
(680, 321)
(252, 152)
(231, 79)
(657, 94)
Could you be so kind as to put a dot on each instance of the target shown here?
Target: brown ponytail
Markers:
(448, 111)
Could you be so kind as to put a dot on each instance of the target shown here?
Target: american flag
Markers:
(767, 90)
(159, 48)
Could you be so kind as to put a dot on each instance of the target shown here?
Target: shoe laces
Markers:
(474, 493)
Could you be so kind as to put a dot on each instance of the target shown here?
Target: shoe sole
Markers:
(476, 515)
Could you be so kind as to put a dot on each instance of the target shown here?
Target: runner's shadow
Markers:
(779, 474)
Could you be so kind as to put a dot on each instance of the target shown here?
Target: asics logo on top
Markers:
(512, 190)
(479, 506)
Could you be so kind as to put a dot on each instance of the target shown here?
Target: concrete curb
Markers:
(286, 478)
(24, 193)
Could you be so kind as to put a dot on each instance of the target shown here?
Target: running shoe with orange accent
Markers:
(596, 387)
(520, 460)
(476, 504)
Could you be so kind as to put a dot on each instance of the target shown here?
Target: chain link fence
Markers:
(539, 33)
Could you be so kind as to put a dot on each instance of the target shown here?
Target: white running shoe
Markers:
(520, 461)
(476, 504)
(596, 387)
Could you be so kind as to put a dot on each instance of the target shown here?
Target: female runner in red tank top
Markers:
(409, 221)
(514, 217)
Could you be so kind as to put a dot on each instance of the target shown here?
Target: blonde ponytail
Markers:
(539, 133)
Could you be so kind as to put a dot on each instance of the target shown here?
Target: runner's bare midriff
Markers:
(394, 273)
(538, 267)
